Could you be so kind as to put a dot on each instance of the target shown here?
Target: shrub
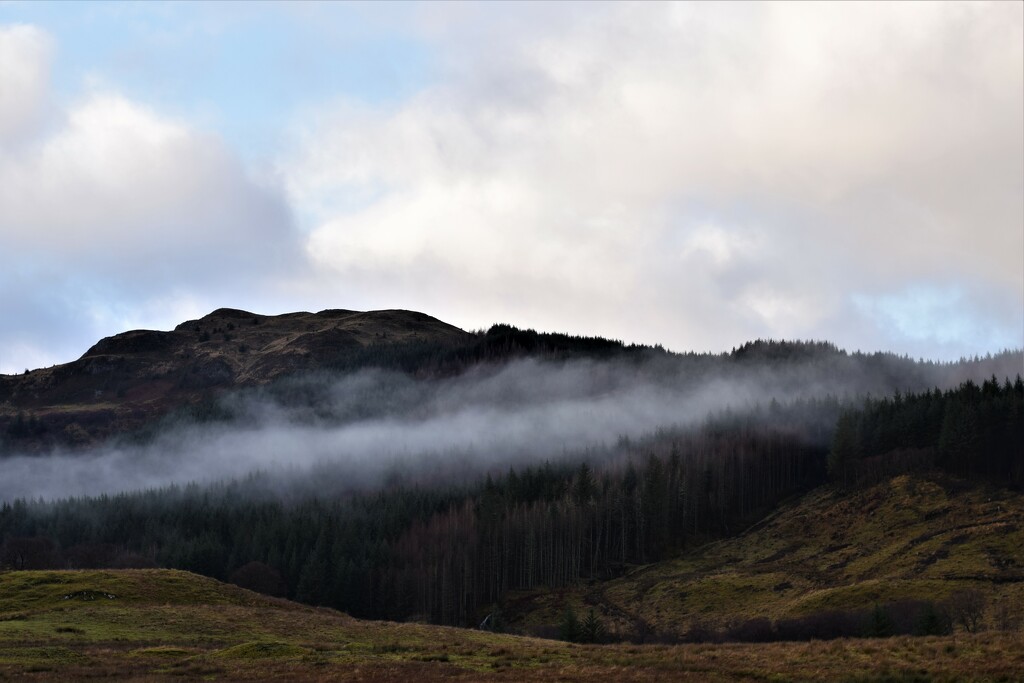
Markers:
(757, 630)
(822, 626)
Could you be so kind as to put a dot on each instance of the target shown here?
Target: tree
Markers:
(958, 437)
(259, 577)
(933, 622)
(570, 629)
(845, 449)
(966, 608)
(583, 488)
(879, 623)
(592, 630)
(29, 553)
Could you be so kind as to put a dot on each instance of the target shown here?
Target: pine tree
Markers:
(845, 449)
(879, 624)
(570, 629)
(932, 622)
(592, 630)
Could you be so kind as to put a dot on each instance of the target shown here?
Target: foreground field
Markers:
(162, 624)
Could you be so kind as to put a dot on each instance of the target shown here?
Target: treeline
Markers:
(502, 343)
(790, 369)
(499, 344)
(24, 427)
(972, 431)
(444, 555)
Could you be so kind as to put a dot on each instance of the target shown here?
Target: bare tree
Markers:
(967, 607)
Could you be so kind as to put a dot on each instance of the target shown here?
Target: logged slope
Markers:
(160, 624)
(908, 538)
(125, 380)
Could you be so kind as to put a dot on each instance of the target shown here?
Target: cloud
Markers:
(25, 54)
(115, 212)
(566, 170)
(943, 314)
(362, 427)
(119, 187)
(695, 175)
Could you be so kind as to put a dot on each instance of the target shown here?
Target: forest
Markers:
(448, 554)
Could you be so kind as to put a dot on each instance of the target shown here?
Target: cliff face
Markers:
(127, 379)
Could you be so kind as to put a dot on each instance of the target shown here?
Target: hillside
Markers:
(168, 625)
(911, 538)
(126, 380)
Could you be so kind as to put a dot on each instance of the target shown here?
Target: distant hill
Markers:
(126, 380)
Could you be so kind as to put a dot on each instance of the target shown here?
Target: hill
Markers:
(901, 543)
(127, 380)
(162, 624)
(125, 384)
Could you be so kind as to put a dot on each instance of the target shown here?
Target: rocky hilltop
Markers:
(125, 380)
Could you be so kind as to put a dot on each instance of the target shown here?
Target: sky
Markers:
(695, 174)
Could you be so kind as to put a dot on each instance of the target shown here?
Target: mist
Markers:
(370, 426)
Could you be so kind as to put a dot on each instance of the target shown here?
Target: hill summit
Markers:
(127, 379)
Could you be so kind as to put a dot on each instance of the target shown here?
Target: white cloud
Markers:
(547, 176)
(123, 187)
(717, 244)
(693, 174)
(25, 54)
(114, 212)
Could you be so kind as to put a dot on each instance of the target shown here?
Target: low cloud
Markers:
(364, 427)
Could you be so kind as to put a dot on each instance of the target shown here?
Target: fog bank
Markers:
(370, 424)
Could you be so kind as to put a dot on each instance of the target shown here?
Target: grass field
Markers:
(171, 625)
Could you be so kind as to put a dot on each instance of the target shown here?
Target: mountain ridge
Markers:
(128, 381)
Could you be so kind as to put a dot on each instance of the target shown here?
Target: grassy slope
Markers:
(163, 624)
(910, 537)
